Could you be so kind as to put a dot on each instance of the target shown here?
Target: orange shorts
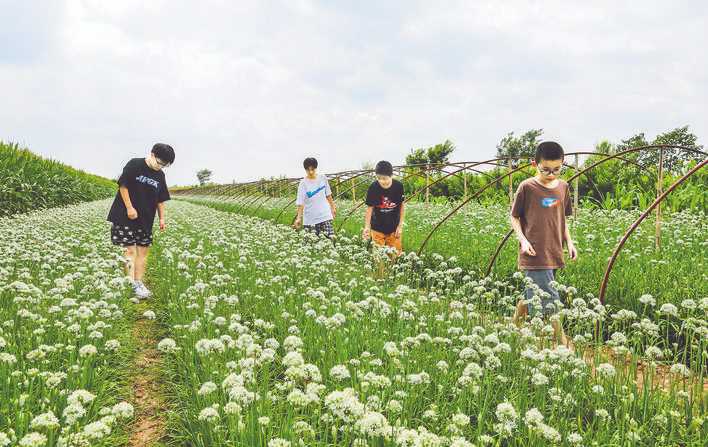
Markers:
(388, 240)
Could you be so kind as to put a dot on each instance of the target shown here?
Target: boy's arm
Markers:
(161, 214)
(332, 206)
(526, 246)
(572, 251)
(399, 228)
(366, 234)
(300, 203)
(298, 219)
(125, 195)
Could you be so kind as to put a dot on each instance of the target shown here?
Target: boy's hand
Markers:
(163, 225)
(527, 248)
(297, 223)
(366, 234)
(572, 251)
(132, 213)
(399, 231)
(334, 211)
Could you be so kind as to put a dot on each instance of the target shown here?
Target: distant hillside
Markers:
(29, 182)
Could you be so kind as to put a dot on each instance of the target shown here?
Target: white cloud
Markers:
(250, 88)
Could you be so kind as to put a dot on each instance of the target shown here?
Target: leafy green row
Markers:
(29, 182)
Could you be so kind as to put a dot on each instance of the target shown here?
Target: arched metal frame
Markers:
(619, 156)
(636, 223)
(247, 194)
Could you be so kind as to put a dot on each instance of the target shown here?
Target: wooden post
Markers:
(464, 179)
(659, 191)
(511, 183)
(427, 184)
(576, 193)
(353, 191)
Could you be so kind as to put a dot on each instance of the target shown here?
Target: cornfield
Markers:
(29, 182)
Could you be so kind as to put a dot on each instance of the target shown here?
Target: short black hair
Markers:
(310, 162)
(164, 152)
(384, 168)
(549, 150)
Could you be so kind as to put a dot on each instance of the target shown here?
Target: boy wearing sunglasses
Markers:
(142, 191)
(538, 217)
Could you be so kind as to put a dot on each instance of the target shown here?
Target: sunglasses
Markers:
(546, 171)
(161, 163)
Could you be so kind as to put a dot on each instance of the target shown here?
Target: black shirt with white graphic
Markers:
(146, 188)
(387, 206)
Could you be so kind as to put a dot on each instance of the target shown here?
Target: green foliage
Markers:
(440, 153)
(674, 160)
(29, 182)
(521, 146)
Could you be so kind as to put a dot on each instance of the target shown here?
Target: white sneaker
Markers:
(141, 291)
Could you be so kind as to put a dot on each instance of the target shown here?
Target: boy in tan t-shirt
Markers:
(538, 217)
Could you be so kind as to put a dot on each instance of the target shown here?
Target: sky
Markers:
(249, 89)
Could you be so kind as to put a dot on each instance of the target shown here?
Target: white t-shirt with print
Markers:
(313, 195)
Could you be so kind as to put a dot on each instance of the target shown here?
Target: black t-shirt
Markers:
(387, 206)
(146, 188)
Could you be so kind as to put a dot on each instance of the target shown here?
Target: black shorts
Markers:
(127, 236)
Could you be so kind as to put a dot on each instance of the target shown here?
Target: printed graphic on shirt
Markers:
(310, 194)
(142, 179)
(549, 202)
(386, 205)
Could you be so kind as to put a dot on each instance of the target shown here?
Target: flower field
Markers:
(678, 271)
(274, 340)
(270, 338)
(64, 311)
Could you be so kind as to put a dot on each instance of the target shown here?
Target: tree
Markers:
(204, 176)
(605, 147)
(438, 154)
(417, 157)
(521, 146)
(674, 159)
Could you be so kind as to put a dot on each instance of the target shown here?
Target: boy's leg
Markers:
(558, 332)
(143, 241)
(130, 254)
(520, 313)
(327, 228)
(140, 260)
(543, 279)
(379, 240)
(396, 243)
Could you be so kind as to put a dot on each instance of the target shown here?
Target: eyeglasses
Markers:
(546, 171)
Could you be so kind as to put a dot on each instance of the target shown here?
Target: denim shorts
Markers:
(542, 278)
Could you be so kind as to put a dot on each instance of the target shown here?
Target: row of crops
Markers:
(65, 324)
(29, 182)
(678, 270)
(271, 339)
(277, 340)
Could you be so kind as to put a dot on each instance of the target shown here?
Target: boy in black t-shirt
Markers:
(142, 191)
(384, 216)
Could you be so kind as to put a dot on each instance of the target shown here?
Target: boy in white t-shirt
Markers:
(315, 206)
